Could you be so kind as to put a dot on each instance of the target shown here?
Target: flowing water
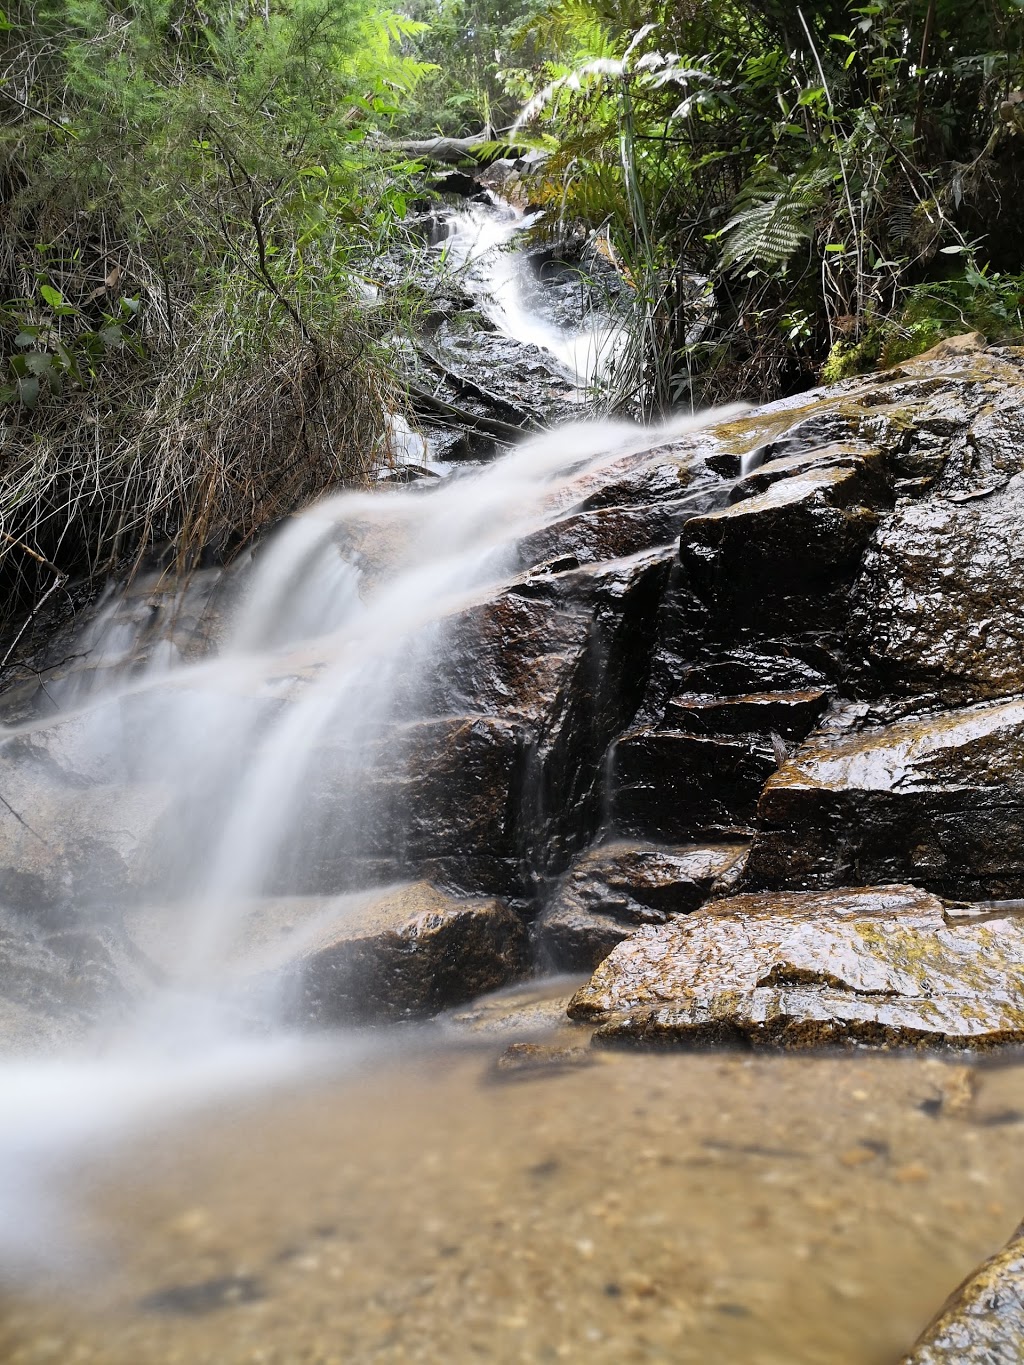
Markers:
(479, 242)
(216, 769)
(191, 1181)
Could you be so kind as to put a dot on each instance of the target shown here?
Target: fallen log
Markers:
(446, 151)
(430, 406)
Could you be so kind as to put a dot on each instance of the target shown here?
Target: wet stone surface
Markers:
(613, 889)
(939, 602)
(883, 966)
(937, 799)
(983, 1321)
(406, 952)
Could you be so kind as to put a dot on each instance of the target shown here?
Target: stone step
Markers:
(792, 715)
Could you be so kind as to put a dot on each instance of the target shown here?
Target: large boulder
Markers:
(936, 799)
(400, 953)
(878, 965)
(614, 888)
(982, 1323)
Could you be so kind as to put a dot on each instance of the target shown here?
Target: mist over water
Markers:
(214, 768)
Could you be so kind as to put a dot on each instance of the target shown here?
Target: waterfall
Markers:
(478, 244)
(335, 637)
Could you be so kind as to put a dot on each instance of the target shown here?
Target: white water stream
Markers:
(479, 243)
(209, 774)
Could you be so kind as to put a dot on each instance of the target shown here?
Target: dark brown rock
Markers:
(525, 1061)
(795, 539)
(443, 798)
(667, 784)
(876, 965)
(791, 715)
(982, 1322)
(613, 889)
(406, 952)
(938, 800)
(940, 601)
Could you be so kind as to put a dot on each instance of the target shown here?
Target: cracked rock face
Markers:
(880, 965)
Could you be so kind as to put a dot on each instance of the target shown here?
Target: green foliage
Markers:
(190, 199)
(483, 55)
(812, 162)
(773, 216)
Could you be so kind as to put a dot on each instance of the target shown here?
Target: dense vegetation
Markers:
(191, 190)
(188, 196)
(842, 175)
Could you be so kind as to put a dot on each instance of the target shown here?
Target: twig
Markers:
(31, 109)
(22, 821)
(858, 235)
(489, 426)
(926, 42)
(58, 582)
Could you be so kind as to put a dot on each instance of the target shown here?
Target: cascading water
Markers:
(478, 244)
(208, 777)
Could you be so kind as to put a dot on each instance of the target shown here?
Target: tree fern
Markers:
(773, 215)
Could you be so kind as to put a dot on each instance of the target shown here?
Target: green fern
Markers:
(773, 215)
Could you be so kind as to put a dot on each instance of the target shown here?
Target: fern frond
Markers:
(772, 217)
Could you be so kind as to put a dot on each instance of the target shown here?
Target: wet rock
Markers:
(521, 377)
(443, 798)
(935, 799)
(74, 825)
(564, 656)
(523, 1061)
(607, 533)
(792, 715)
(982, 1322)
(206, 1296)
(940, 601)
(532, 1010)
(57, 980)
(613, 889)
(878, 965)
(668, 784)
(793, 541)
(407, 952)
(789, 456)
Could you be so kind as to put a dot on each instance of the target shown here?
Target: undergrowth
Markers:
(188, 204)
(788, 187)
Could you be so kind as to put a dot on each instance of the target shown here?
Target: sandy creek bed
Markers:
(647, 1207)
